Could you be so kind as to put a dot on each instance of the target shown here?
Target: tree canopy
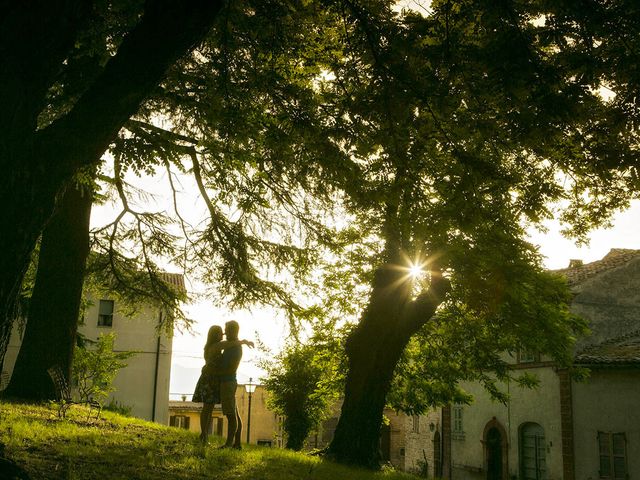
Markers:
(441, 135)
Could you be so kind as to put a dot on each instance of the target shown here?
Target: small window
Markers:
(613, 455)
(105, 313)
(179, 421)
(416, 423)
(528, 356)
(265, 443)
(402, 452)
(458, 427)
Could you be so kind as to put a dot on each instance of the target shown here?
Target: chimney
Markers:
(575, 262)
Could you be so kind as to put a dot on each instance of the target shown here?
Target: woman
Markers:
(208, 387)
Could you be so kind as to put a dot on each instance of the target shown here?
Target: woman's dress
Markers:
(208, 386)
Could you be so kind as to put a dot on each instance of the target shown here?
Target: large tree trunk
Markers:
(25, 210)
(373, 350)
(37, 164)
(53, 311)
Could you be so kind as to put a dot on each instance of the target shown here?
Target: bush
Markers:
(95, 366)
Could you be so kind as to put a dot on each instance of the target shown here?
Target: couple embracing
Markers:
(218, 383)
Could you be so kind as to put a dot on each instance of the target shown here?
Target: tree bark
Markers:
(373, 350)
(52, 322)
(38, 164)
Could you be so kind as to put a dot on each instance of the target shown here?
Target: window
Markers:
(528, 356)
(265, 443)
(458, 429)
(402, 452)
(105, 313)
(613, 455)
(532, 452)
(416, 423)
(179, 421)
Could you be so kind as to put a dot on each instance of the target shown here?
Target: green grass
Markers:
(118, 447)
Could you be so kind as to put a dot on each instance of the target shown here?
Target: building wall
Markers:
(398, 440)
(419, 442)
(265, 425)
(135, 383)
(610, 302)
(540, 405)
(608, 402)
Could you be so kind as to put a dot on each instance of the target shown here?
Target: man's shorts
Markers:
(228, 397)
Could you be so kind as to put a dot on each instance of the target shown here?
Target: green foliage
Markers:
(135, 286)
(121, 447)
(441, 135)
(117, 407)
(304, 381)
(522, 309)
(96, 365)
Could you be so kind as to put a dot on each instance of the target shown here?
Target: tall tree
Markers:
(50, 333)
(467, 128)
(40, 159)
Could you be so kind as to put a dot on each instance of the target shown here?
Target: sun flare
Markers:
(415, 270)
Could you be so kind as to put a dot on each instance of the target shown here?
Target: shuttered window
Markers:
(532, 452)
(179, 421)
(105, 313)
(612, 449)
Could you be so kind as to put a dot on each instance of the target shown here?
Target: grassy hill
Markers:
(117, 447)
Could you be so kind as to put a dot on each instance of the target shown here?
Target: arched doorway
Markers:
(437, 455)
(495, 451)
(532, 452)
(494, 454)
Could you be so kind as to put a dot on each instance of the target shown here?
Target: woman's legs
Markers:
(205, 421)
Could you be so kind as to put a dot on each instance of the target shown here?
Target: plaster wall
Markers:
(134, 384)
(608, 402)
(265, 424)
(540, 405)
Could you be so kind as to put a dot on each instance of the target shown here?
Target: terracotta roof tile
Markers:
(175, 279)
(615, 258)
(624, 350)
(185, 406)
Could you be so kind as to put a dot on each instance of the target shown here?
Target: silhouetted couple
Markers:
(218, 382)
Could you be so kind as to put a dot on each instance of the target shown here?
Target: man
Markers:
(228, 383)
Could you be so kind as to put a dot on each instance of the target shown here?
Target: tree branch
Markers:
(426, 304)
(168, 29)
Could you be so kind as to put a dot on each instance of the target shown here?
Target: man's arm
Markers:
(218, 347)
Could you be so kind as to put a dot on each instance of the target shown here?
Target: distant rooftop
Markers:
(175, 279)
(185, 406)
(623, 350)
(578, 272)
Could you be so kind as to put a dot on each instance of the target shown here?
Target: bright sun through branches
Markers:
(416, 270)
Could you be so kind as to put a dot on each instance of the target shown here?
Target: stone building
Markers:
(408, 443)
(565, 429)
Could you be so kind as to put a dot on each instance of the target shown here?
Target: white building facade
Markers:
(143, 385)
